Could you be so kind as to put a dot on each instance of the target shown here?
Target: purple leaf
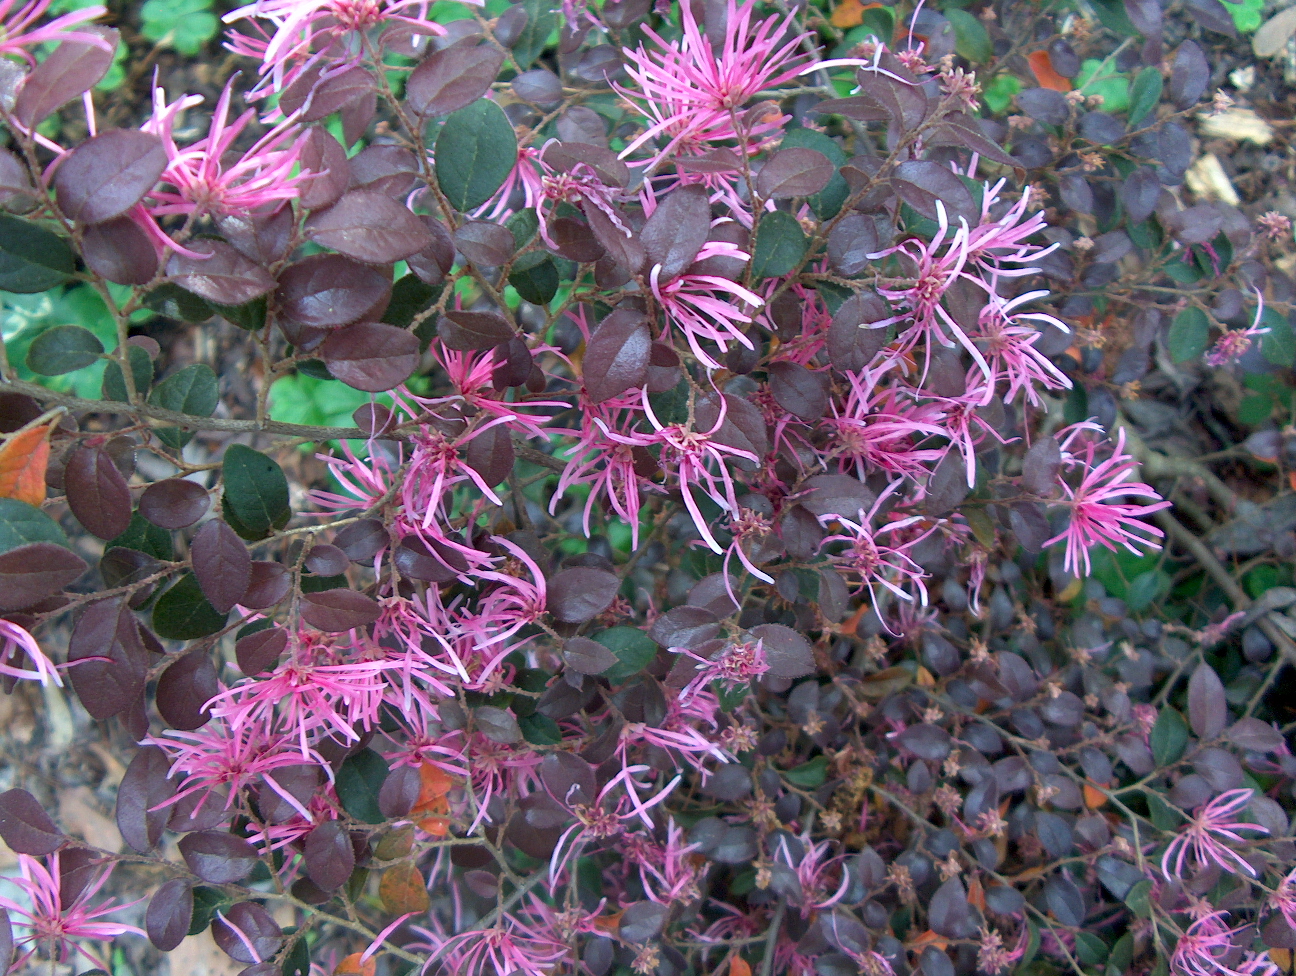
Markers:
(226, 277)
(677, 230)
(222, 565)
(268, 584)
(463, 331)
(794, 172)
(485, 244)
(587, 656)
(218, 857)
(1207, 705)
(330, 858)
(948, 911)
(108, 632)
(247, 933)
(327, 290)
(925, 741)
(169, 914)
(174, 503)
(97, 492)
(850, 243)
(144, 786)
(120, 251)
(1190, 76)
(684, 627)
(491, 454)
(26, 827)
(259, 651)
(616, 356)
(853, 339)
(923, 183)
(788, 653)
(371, 356)
(184, 690)
(108, 174)
(71, 69)
(323, 156)
(337, 611)
(30, 573)
(369, 227)
(799, 391)
(456, 76)
(498, 725)
(581, 594)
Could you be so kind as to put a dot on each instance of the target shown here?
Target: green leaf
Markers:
(780, 245)
(143, 536)
(1169, 737)
(207, 901)
(175, 303)
(1090, 949)
(1146, 588)
(1278, 345)
(410, 296)
(250, 315)
(21, 523)
(183, 613)
(542, 21)
(671, 406)
(535, 277)
(1144, 94)
(114, 385)
(256, 492)
(476, 150)
(193, 391)
(524, 225)
(1139, 901)
(1255, 409)
(809, 775)
(63, 349)
(1111, 14)
(970, 38)
(634, 649)
(1189, 335)
(998, 95)
(31, 258)
(1163, 815)
(358, 781)
(828, 201)
(540, 730)
(298, 961)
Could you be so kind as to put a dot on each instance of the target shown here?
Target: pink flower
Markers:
(511, 947)
(879, 427)
(695, 303)
(1094, 516)
(1284, 899)
(1010, 348)
(18, 33)
(734, 666)
(693, 95)
(1205, 833)
(814, 869)
(1231, 346)
(1208, 949)
(53, 921)
(207, 177)
(20, 647)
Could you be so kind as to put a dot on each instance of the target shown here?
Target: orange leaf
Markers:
(928, 938)
(436, 826)
(1291, 479)
(848, 13)
(403, 890)
(976, 894)
(738, 966)
(1041, 66)
(23, 459)
(352, 966)
(1093, 797)
(435, 782)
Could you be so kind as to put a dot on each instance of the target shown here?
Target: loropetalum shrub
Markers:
(703, 588)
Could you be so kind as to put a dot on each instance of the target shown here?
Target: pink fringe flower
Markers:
(1205, 834)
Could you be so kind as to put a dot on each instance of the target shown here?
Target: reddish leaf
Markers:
(794, 172)
(1191, 74)
(587, 656)
(498, 725)
(491, 455)
(580, 594)
(851, 242)
(326, 560)
(174, 503)
(184, 690)
(246, 933)
(788, 653)
(607, 166)
(1042, 67)
(389, 170)
(400, 792)
(120, 251)
(30, 573)
(226, 277)
(108, 632)
(362, 540)
(485, 244)
(71, 69)
(218, 857)
(26, 827)
(923, 183)
(143, 788)
(259, 651)
(463, 331)
(169, 914)
(798, 390)
(330, 858)
(323, 156)
(268, 584)
(337, 611)
(371, 356)
(97, 492)
(449, 79)
(6, 941)
(677, 230)
(24, 458)
(261, 238)
(108, 174)
(855, 336)
(327, 290)
(369, 227)
(402, 890)
(616, 356)
(1207, 704)
(623, 248)
(311, 99)
(222, 565)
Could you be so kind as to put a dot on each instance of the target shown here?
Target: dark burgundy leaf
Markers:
(623, 249)
(263, 238)
(327, 290)
(268, 584)
(685, 626)
(568, 778)
(642, 921)
(1044, 105)
(1040, 467)
(185, 688)
(574, 240)
(799, 391)
(903, 101)
(1101, 128)
(1191, 75)
(174, 503)
(491, 455)
(399, 792)
(566, 157)
(337, 611)
(924, 183)
(108, 174)
(449, 79)
(330, 858)
(1076, 193)
(247, 933)
(485, 244)
(371, 356)
(677, 230)
(948, 911)
(326, 560)
(323, 156)
(362, 540)
(120, 251)
(169, 914)
(851, 242)
(968, 132)
(539, 86)
(389, 170)
(1065, 900)
(413, 558)
(71, 69)
(1207, 705)
(311, 99)
(1139, 194)
(498, 725)
(369, 227)
(1030, 525)
(225, 276)
(925, 741)
(26, 827)
(947, 485)
(1145, 15)
(143, 787)
(743, 426)
(580, 594)
(107, 629)
(787, 652)
(794, 172)
(259, 651)
(1212, 15)
(464, 331)
(836, 494)
(855, 336)
(587, 656)
(616, 356)
(222, 565)
(1065, 61)
(97, 492)
(218, 857)
(30, 573)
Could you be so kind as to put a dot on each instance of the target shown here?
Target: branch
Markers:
(182, 420)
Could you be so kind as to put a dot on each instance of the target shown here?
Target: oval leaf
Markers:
(108, 174)
(371, 356)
